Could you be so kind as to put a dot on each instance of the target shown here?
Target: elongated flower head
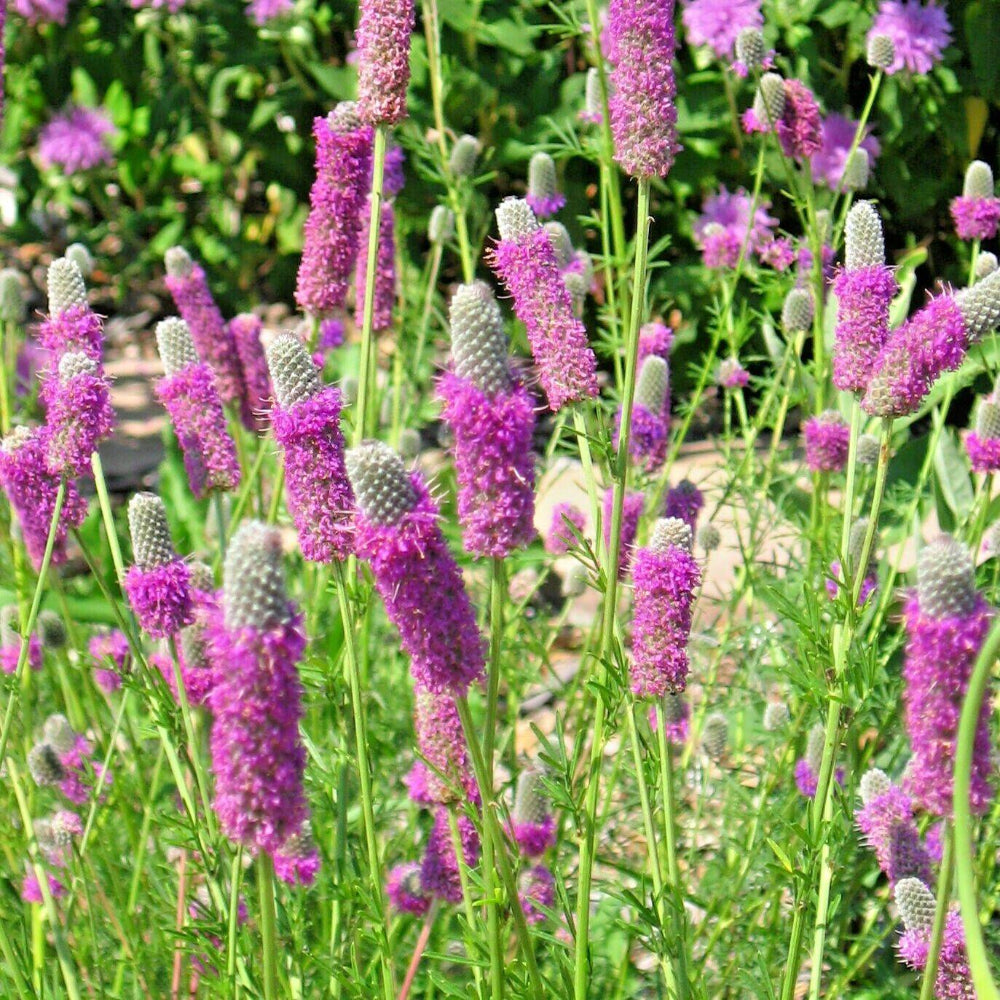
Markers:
(709, 537)
(531, 802)
(478, 341)
(464, 155)
(685, 501)
(52, 630)
(983, 443)
(797, 311)
(874, 783)
(769, 102)
(593, 102)
(384, 296)
(986, 264)
(750, 50)
(827, 439)
(776, 716)
(653, 384)
(382, 488)
(868, 450)
(880, 52)
(543, 195)
(916, 904)
(293, 371)
(383, 38)
(441, 225)
(79, 412)
(561, 243)
(405, 891)
(175, 345)
(988, 419)
(946, 580)
(80, 255)
(254, 579)
(66, 287)
(715, 736)
(44, 765)
(670, 532)
(863, 239)
(980, 307)
(978, 180)
(11, 297)
(856, 170)
(246, 329)
(152, 545)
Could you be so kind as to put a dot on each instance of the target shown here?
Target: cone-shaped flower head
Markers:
(750, 50)
(709, 537)
(383, 38)
(827, 439)
(873, 784)
(650, 414)
(684, 501)
(306, 426)
(297, 862)
(863, 239)
(986, 264)
(593, 102)
(158, 586)
(977, 212)
(525, 261)
(80, 255)
(397, 531)
(880, 52)
(464, 154)
(245, 330)
(769, 101)
(405, 890)
(561, 243)
(983, 443)
(715, 736)
(11, 297)
(385, 270)
(643, 108)
(856, 170)
(444, 775)
(478, 342)
(78, 411)
(441, 225)
(71, 324)
(532, 824)
(439, 874)
(868, 450)
(256, 642)
(886, 820)
(980, 307)
(946, 622)
(916, 904)
(51, 630)
(543, 195)
(66, 287)
(776, 716)
(797, 312)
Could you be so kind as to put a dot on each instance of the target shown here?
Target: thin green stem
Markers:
(268, 925)
(940, 912)
(107, 515)
(470, 915)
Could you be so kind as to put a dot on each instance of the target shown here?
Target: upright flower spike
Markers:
(245, 330)
(71, 325)
(946, 622)
(715, 736)
(807, 767)
(405, 890)
(976, 213)
(158, 586)
(719, 23)
(797, 311)
(543, 195)
(886, 821)
(827, 439)
(880, 52)
(197, 672)
(306, 426)
(643, 108)
(31, 490)
(191, 397)
(983, 443)
(444, 775)
(10, 642)
(213, 340)
(441, 225)
(397, 531)
(533, 826)
(593, 103)
(788, 108)
(684, 501)
(665, 578)
(631, 512)
(12, 308)
(297, 861)
(492, 418)
(536, 891)
(385, 270)
(917, 33)
(439, 869)
(525, 262)
(383, 38)
(78, 413)
(464, 154)
(751, 53)
(651, 414)
(256, 642)
(561, 243)
(336, 202)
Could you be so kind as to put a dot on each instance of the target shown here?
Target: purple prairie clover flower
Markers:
(439, 869)
(245, 331)
(827, 440)
(830, 161)
(383, 38)
(492, 420)
(800, 127)
(916, 906)
(78, 413)
(864, 288)
(919, 34)
(946, 622)
(10, 643)
(331, 334)
(537, 892)
(197, 672)
(650, 426)
(976, 213)
(631, 512)
(780, 254)
(31, 490)
(397, 531)
(71, 325)
(297, 861)
(110, 653)
(525, 261)
(665, 578)
(42, 11)
(158, 586)
(76, 141)
(306, 426)
(718, 23)
(262, 12)
(732, 375)
(886, 821)
(543, 195)
(676, 718)
(751, 54)
(726, 223)
(684, 501)
(655, 338)
(337, 199)
(405, 890)
(532, 825)
(806, 779)
(393, 174)
(592, 111)
(256, 642)
(213, 339)
(385, 270)
(191, 397)
(983, 443)
(31, 891)
(643, 108)
(565, 518)
(446, 774)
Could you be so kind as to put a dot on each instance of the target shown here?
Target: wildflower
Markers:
(726, 224)
(533, 826)
(751, 54)
(732, 375)
(715, 736)
(385, 271)
(80, 255)
(297, 860)
(51, 630)
(718, 23)
(676, 718)
(830, 162)
(643, 110)
(393, 171)
(650, 414)
(983, 443)
(684, 501)
(444, 774)
(567, 523)
(256, 642)
(879, 51)
(191, 397)
(78, 413)
(262, 12)
(439, 868)
(441, 225)
(213, 340)
(631, 512)
(886, 820)
(543, 195)
(827, 439)
(799, 128)
(31, 891)
(110, 654)
(574, 582)
(986, 264)
(946, 622)
(864, 289)
(525, 262)
(665, 579)
(776, 716)
(71, 325)
(383, 38)
(655, 338)
(397, 531)
(593, 103)
(464, 154)
(855, 546)
(708, 537)
(245, 331)
(10, 642)
(197, 672)
(537, 893)
(306, 425)
(12, 308)
(31, 490)
(807, 768)
(919, 34)
(492, 418)
(868, 450)
(76, 140)
(405, 891)
(797, 311)
(42, 11)
(337, 200)
(977, 212)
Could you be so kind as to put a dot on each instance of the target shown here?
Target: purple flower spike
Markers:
(650, 415)
(525, 261)
(385, 270)
(192, 399)
(918, 33)
(886, 820)
(800, 127)
(397, 531)
(446, 776)
(665, 579)
(213, 340)
(718, 23)
(158, 586)
(110, 653)
(306, 425)
(827, 439)
(983, 443)
(684, 501)
(197, 672)
(297, 862)
(79, 414)
(71, 325)
(544, 196)
(256, 642)
(916, 906)
(10, 642)
(830, 164)
(337, 201)
(631, 512)
(533, 826)
(642, 105)
(655, 338)
(383, 38)
(946, 622)
(245, 330)
(31, 490)
(492, 418)
(977, 212)
(405, 891)
(439, 869)
(537, 893)
(560, 538)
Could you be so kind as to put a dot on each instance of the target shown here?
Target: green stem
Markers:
(940, 913)
(470, 915)
(268, 924)
(107, 515)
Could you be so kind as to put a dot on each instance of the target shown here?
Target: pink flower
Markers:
(76, 141)
(725, 223)
(827, 439)
(920, 33)
(383, 38)
(829, 161)
(717, 23)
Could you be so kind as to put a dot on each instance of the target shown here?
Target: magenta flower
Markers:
(561, 538)
(532, 826)
(983, 443)
(828, 163)
(331, 334)
(10, 643)
(631, 512)
(684, 501)
(78, 413)
(397, 531)
(732, 375)
(641, 46)
(71, 326)
(655, 338)
(405, 891)
(726, 223)
(245, 331)
(676, 718)
(536, 892)
(543, 196)
(650, 426)
(31, 891)
(717, 23)
(256, 642)
(800, 127)
(827, 440)
(976, 212)
(665, 579)
(919, 33)
(525, 261)
(306, 425)
(110, 654)
(263, 12)
(297, 861)
(439, 868)
(444, 773)
(337, 201)
(197, 673)
(916, 906)
(385, 271)
(806, 779)
(42, 11)
(383, 38)
(886, 820)
(76, 141)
